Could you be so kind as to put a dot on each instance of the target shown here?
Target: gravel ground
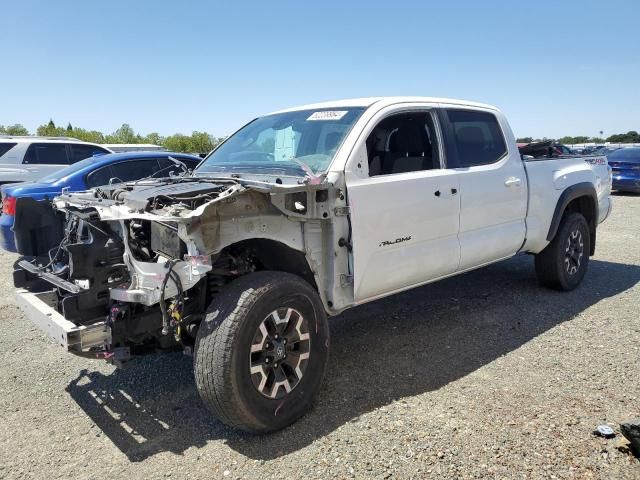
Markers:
(482, 375)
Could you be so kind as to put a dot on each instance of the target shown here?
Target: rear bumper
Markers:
(84, 340)
(626, 183)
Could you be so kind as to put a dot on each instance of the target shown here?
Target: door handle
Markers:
(512, 182)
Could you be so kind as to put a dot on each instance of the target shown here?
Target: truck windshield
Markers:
(284, 143)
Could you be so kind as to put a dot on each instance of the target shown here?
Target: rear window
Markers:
(477, 137)
(5, 147)
(46, 154)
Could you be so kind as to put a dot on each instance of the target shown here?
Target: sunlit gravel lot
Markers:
(483, 375)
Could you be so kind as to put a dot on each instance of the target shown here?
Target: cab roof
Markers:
(382, 102)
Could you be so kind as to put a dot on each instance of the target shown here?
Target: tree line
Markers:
(197, 142)
(629, 137)
(202, 142)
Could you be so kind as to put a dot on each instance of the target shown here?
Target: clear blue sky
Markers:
(554, 67)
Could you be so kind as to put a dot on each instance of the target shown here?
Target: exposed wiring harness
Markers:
(177, 308)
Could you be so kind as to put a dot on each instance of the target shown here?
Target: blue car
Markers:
(625, 166)
(85, 174)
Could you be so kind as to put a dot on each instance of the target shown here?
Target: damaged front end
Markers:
(131, 268)
(111, 260)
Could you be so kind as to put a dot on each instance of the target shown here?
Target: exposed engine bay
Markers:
(145, 259)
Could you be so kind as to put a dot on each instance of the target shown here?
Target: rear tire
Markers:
(261, 351)
(563, 263)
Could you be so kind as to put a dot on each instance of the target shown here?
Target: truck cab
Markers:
(434, 189)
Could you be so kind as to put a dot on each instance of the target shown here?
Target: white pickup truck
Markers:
(299, 215)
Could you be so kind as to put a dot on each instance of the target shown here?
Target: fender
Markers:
(568, 195)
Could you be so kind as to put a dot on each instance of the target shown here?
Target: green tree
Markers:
(178, 143)
(197, 142)
(524, 140)
(92, 136)
(629, 137)
(15, 129)
(50, 130)
(153, 138)
(124, 134)
(201, 142)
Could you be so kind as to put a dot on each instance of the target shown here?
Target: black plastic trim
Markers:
(571, 193)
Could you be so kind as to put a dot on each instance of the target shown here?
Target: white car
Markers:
(297, 216)
(27, 158)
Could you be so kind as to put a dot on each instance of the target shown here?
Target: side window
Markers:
(5, 147)
(134, 170)
(99, 177)
(46, 154)
(405, 142)
(477, 137)
(80, 152)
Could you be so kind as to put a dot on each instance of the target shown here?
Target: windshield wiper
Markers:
(175, 162)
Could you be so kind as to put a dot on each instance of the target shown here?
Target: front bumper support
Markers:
(74, 338)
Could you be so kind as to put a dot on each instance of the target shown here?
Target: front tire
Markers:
(563, 263)
(261, 351)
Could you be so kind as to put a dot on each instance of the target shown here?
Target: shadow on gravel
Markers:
(404, 345)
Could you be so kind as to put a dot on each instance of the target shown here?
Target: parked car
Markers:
(88, 173)
(625, 165)
(605, 150)
(26, 158)
(300, 214)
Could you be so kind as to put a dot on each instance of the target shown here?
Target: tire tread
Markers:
(549, 268)
(214, 346)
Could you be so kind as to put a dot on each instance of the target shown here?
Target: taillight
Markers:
(9, 205)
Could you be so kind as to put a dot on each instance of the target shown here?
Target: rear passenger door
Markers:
(41, 159)
(404, 205)
(493, 187)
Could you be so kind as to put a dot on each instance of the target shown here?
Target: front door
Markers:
(404, 208)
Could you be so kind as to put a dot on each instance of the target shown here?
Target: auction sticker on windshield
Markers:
(328, 115)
